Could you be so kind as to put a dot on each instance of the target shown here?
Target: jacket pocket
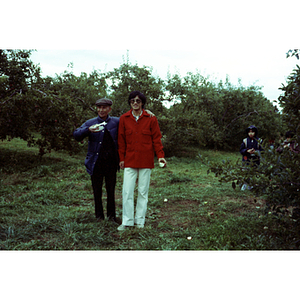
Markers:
(128, 135)
(147, 137)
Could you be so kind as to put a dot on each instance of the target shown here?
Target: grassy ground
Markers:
(47, 204)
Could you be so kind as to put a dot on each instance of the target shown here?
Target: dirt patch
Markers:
(176, 213)
(251, 201)
(244, 205)
(184, 213)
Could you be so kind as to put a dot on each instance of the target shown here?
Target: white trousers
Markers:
(129, 180)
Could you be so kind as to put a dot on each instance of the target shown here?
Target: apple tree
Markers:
(45, 111)
(62, 104)
(17, 76)
(127, 78)
(216, 114)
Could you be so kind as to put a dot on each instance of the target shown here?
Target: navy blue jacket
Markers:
(250, 143)
(96, 139)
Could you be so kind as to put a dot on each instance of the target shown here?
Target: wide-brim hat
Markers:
(104, 101)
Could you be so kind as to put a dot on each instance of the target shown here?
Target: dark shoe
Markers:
(116, 220)
(100, 219)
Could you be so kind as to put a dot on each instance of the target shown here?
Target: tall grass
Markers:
(46, 203)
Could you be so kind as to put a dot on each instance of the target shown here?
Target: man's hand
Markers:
(93, 129)
(251, 151)
(121, 164)
(162, 161)
(150, 113)
(97, 127)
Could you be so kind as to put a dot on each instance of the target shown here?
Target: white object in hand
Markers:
(98, 127)
(161, 164)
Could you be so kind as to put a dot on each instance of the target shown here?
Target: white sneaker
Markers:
(140, 225)
(122, 227)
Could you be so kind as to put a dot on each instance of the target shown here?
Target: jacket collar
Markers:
(129, 113)
(107, 119)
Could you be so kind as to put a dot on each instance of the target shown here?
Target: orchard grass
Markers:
(47, 204)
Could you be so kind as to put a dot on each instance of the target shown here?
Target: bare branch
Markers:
(90, 108)
(9, 97)
(244, 115)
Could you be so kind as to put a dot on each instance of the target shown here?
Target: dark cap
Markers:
(103, 101)
(253, 128)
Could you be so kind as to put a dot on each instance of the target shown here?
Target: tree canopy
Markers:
(45, 111)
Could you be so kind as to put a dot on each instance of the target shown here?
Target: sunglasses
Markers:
(138, 101)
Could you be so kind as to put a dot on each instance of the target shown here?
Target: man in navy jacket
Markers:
(102, 160)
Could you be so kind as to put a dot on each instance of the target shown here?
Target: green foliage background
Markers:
(45, 111)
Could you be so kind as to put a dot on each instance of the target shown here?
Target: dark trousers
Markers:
(110, 175)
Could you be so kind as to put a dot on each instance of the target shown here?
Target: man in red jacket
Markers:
(139, 136)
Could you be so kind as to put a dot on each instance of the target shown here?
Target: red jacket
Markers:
(138, 140)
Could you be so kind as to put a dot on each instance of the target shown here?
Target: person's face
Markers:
(103, 111)
(251, 133)
(136, 103)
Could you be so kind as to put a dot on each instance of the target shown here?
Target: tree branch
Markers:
(9, 97)
(244, 115)
(90, 108)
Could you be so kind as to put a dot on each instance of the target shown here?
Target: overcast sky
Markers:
(244, 40)
(267, 69)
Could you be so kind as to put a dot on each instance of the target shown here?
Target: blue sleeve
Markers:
(243, 148)
(82, 132)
